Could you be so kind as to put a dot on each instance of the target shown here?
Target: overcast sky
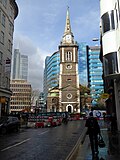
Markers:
(39, 28)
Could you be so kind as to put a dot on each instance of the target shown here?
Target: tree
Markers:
(84, 97)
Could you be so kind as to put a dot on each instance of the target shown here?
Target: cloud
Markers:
(87, 25)
(36, 58)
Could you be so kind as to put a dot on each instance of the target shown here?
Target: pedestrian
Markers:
(65, 117)
(113, 123)
(93, 130)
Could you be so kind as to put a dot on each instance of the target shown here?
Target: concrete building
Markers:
(21, 96)
(95, 72)
(8, 13)
(19, 65)
(110, 40)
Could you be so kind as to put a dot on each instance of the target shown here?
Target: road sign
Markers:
(105, 95)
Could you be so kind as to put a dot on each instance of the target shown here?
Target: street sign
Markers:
(105, 95)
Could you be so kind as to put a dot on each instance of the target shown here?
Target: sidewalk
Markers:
(110, 152)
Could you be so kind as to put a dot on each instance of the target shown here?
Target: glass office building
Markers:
(19, 65)
(24, 67)
(95, 72)
(51, 72)
(82, 63)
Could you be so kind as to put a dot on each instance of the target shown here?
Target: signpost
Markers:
(105, 96)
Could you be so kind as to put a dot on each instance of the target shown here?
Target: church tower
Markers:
(69, 94)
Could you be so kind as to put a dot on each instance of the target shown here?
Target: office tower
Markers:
(16, 64)
(21, 96)
(82, 63)
(8, 13)
(20, 66)
(110, 54)
(51, 72)
(24, 67)
(95, 72)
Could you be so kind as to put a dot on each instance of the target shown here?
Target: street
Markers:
(41, 144)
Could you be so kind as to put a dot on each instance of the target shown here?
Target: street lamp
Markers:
(95, 39)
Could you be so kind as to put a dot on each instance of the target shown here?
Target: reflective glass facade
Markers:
(51, 72)
(95, 72)
(20, 66)
(82, 63)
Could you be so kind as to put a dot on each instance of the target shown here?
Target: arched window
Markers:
(69, 56)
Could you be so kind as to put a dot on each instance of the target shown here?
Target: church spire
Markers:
(67, 25)
(68, 35)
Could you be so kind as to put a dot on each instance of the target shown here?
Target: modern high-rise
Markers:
(95, 72)
(51, 72)
(82, 63)
(24, 67)
(110, 53)
(16, 64)
(8, 13)
(20, 65)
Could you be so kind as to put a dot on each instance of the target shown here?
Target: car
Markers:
(8, 124)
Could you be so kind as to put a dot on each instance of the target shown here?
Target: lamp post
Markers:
(85, 97)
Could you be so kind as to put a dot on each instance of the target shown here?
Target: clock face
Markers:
(68, 37)
(68, 66)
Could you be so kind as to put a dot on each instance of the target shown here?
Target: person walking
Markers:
(93, 130)
(65, 118)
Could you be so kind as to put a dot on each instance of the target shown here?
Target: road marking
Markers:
(43, 133)
(104, 129)
(17, 144)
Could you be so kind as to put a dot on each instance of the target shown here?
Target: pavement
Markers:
(111, 151)
(82, 149)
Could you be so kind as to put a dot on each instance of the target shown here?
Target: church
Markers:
(66, 97)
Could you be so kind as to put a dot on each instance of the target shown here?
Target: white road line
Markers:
(15, 144)
(43, 133)
(104, 129)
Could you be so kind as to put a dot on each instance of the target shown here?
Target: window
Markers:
(69, 80)
(11, 12)
(110, 63)
(54, 100)
(0, 16)
(4, 3)
(9, 46)
(1, 56)
(3, 20)
(0, 79)
(2, 37)
(119, 9)
(10, 28)
(69, 96)
(7, 82)
(108, 22)
(69, 56)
